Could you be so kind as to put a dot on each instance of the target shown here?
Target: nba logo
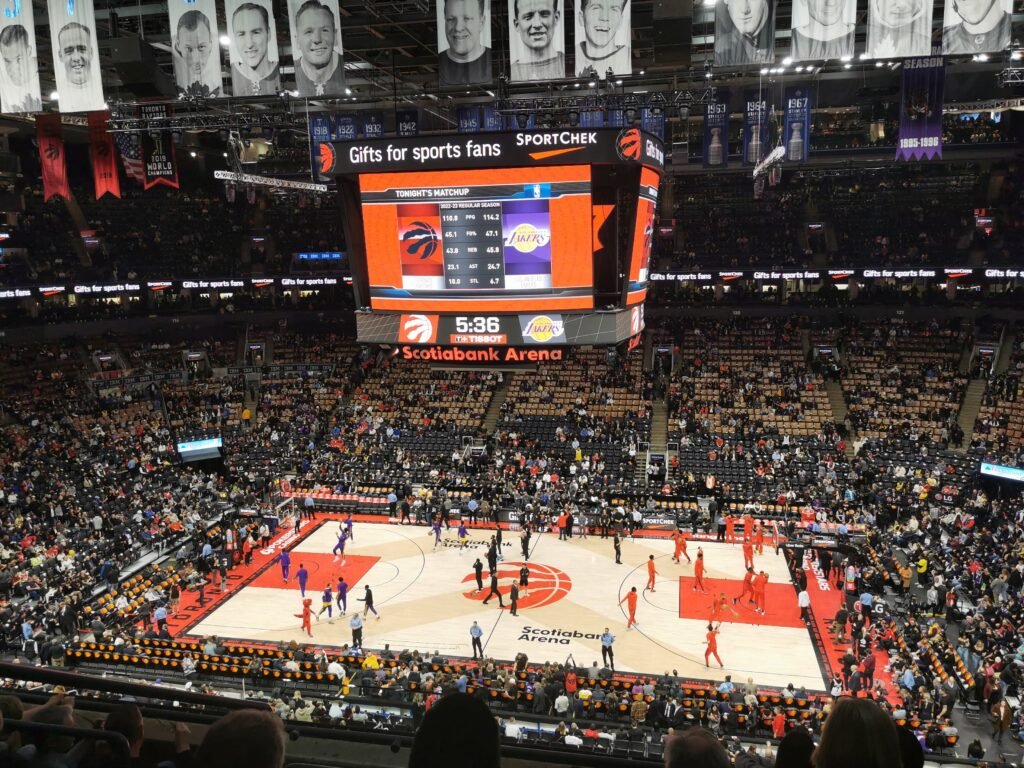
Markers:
(536, 190)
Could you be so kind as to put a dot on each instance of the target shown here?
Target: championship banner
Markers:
(716, 135)
(316, 47)
(755, 126)
(898, 30)
(653, 122)
(796, 123)
(19, 77)
(195, 47)
(536, 40)
(75, 55)
(604, 38)
(491, 120)
(373, 126)
(407, 122)
(971, 29)
(344, 128)
(468, 119)
(255, 62)
(464, 42)
(104, 160)
(158, 164)
(51, 156)
(592, 119)
(921, 99)
(319, 133)
(616, 118)
(744, 33)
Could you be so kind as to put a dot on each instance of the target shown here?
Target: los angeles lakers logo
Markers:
(526, 238)
(547, 585)
(628, 144)
(543, 328)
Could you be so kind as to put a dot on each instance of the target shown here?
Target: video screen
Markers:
(513, 239)
(643, 236)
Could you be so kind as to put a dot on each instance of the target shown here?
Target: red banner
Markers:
(104, 160)
(51, 155)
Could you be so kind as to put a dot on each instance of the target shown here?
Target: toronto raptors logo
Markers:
(547, 585)
(420, 240)
(628, 145)
(326, 158)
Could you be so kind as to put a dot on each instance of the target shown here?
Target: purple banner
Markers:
(923, 84)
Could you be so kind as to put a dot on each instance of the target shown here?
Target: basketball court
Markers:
(427, 600)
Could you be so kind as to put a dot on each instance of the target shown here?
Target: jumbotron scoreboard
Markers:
(483, 242)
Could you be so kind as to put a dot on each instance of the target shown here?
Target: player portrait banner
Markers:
(19, 73)
(899, 28)
(464, 42)
(158, 163)
(252, 36)
(976, 26)
(755, 125)
(536, 40)
(104, 159)
(468, 119)
(716, 134)
(921, 101)
(407, 122)
(51, 156)
(195, 47)
(796, 123)
(603, 37)
(76, 60)
(744, 32)
(316, 47)
(822, 29)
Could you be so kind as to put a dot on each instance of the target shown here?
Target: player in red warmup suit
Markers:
(698, 571)
(651, 573)
(712, 646)
(680, 539)
(630, 601)
(748, 587)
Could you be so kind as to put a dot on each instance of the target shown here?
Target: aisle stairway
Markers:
(494, 409)
(659, 426)
(970, 407)
(836, 400)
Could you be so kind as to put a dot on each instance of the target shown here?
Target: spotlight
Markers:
(574, 118)
(787, 61)
(764, 70)
(225, 41)
(192, 153)
(54, 96)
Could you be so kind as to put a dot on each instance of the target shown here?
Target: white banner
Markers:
(976, 26)
(75, 55)
(536, 40)
(744, 32)
(316, 47)
(464, 42)
(823, 29)
(195, 47)
(603, 37)
(19, 75)
(899, 28)
(255, 63)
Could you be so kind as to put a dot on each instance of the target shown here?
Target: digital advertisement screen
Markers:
(197, 450)
(509, 239)
(643, 235)
(1002, 472)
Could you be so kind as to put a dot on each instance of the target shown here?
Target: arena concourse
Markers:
(584, 383)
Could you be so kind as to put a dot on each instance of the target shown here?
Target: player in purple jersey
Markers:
(339, 548)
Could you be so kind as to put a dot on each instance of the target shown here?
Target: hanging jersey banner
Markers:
(796, 125)
(51, 155)
(104, 160)
(755, 125)
(716, 135)
(921, 101)
(408, 122)
(158, 164)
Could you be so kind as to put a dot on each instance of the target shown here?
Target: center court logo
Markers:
(543, 328)
(548, 585)
(526, 238)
